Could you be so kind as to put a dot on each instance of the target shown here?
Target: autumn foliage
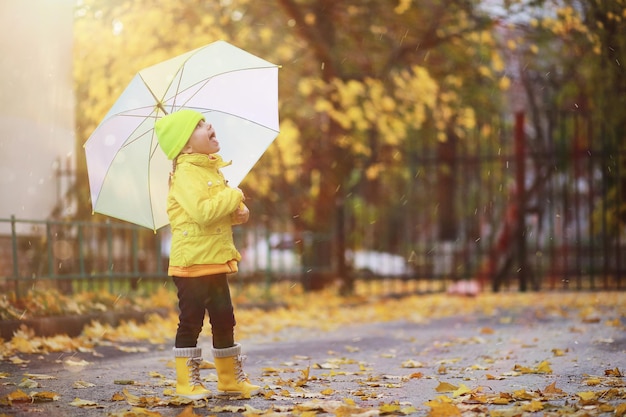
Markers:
(299, 385)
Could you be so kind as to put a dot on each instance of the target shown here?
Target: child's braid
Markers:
(169, 182)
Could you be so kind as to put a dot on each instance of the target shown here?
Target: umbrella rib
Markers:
(149, 188)
(158, 102)
(180, 79)
(246, 119)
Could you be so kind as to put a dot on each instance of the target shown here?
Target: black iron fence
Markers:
(509, 210)
(525, 206)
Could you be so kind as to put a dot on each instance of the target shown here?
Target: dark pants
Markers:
(197, 295)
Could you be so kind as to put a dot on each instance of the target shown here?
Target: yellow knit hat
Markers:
(174, 130)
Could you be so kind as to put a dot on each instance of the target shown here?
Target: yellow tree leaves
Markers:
(388, 109)
(112, 44)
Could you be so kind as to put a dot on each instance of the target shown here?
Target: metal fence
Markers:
(82, 256)
(522, 207)
(461, 216)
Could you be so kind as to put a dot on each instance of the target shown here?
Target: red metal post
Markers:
(520, 182)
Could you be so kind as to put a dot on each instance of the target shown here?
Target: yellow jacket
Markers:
(200, 206)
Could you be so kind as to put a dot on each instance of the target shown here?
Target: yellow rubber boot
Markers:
(231, 379)
(188, 382)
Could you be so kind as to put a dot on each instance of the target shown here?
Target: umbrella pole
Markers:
(160, 106)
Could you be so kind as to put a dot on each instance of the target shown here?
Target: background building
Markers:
(36, 107)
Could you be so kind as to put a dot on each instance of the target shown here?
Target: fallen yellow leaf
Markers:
(83, 384)
(412, 364)
(522, 394)
(552, 389)
(83, 403)
(304, 377)
(442, 409)
(544, 368)
(587, 395)
(614, 323)
(592, 381)
(389, 408)
(533, 406)
(349, 401)
(502, 400)
(18, 396)
(143, 412)
(28, 383)
(188, 412)
(45, 396)
(480, 399)
(124, 382)
(462, 390)
(72, 362)
(39, 376)
(446, 387)
(118, 397)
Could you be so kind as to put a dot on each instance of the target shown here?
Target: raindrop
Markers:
(236, 16)
(118, 26)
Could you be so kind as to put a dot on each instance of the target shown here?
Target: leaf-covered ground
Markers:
(505, 354)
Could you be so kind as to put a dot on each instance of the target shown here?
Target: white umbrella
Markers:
(235, 90)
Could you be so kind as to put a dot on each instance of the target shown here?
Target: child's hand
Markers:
(242, 194)
(241, 215)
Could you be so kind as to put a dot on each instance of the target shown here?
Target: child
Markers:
(201, 209)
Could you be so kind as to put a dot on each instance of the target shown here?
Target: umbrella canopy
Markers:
(236, 91)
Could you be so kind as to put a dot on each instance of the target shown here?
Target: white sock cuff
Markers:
(190, 352)
(227, 352)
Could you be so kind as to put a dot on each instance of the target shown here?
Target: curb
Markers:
(73, 326)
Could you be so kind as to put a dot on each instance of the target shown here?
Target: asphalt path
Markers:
(366, 367)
